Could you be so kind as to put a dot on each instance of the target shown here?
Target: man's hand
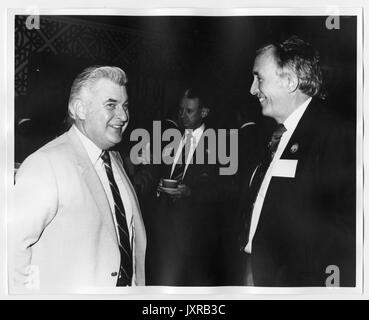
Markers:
(182, 191)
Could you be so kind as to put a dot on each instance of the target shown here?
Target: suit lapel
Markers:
(93, 182)
(301, 138)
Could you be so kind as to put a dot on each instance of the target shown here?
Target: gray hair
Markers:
(88, 77)
(302, 59)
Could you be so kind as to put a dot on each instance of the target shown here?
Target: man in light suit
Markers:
(76, 222)
(298, 204)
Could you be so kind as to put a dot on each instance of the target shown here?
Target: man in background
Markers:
(185, 220)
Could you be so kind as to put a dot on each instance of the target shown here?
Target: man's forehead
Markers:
(264, 60)
(189, 103)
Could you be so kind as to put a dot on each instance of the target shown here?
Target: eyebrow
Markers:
(110, 100)
(114, 100)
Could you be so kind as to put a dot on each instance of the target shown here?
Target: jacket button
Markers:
(114, 274)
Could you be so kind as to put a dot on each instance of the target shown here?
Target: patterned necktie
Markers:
(126, 265)
(257, 180)
(264, 165)
(181, 163)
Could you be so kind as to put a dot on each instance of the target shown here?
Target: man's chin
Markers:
(265, 111)
(115, 139)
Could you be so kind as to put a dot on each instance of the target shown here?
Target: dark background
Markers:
(161, 55)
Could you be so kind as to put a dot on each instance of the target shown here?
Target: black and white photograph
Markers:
(185, 150)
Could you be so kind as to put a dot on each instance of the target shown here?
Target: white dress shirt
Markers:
(290, 124)
(197, 133)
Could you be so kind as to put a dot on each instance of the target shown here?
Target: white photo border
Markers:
(223, 291)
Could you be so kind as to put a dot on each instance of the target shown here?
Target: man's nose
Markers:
(254, 88)
(122, 113)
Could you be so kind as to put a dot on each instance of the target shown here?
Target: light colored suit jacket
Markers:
(62, 233)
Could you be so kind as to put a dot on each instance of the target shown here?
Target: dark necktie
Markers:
(126, 265)
(181, 163)
(258, 178)
(264, 165)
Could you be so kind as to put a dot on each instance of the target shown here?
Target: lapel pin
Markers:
(294, 148)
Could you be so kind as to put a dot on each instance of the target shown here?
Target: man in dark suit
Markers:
(299, 202)
(185, 226)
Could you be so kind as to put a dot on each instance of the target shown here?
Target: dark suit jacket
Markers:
(186, 231)
(193, 217)
(308, 222)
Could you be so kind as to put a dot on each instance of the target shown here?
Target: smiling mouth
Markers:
(261, 98)
(117, 126)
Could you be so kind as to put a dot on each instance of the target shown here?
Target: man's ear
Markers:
(292, 82)
(204, 112)
(80, 109)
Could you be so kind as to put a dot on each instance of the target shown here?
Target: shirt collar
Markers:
(197, 133)
(293, 119)
(93, 151)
